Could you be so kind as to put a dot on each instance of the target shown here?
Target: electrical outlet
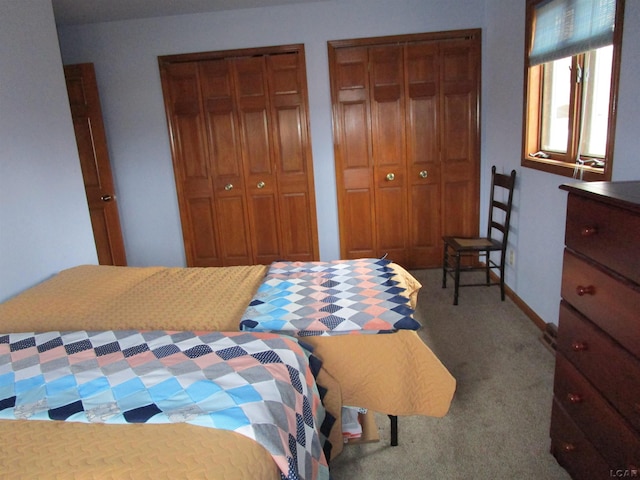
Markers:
(512, 258)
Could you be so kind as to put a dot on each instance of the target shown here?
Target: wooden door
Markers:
(292, 156)
(239, 132)
(423, 153)
(406, 113)
(229, 212)
(94, 161)
(388, 150)
(459, 136)
(353, 151)
(191, 164)
(368, 88)
(259, 167)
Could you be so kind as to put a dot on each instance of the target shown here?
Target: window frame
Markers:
(557, 163)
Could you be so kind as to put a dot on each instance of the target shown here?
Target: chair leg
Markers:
(487, 259)
(457, 279)
(445, 261)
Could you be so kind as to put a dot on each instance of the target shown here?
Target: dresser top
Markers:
(621, 194)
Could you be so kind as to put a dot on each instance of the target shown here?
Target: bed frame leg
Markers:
(394, 430)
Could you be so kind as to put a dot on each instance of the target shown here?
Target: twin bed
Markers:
(266, 355)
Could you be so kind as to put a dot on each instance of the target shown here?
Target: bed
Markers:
(394, 373)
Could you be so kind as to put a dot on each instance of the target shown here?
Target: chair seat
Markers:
(472, 244)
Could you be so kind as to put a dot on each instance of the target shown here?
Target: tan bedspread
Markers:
(37, 450)
(63, 450)
(91, 297)
(394, 374)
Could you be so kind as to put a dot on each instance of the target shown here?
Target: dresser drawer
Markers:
(572, 450)
(609, 367)
(599, 421)
(610, 303)
(607, 234)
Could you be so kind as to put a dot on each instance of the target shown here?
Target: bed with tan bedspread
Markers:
(395, 374)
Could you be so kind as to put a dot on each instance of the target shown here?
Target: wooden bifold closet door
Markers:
(406, 142)
(239, 134)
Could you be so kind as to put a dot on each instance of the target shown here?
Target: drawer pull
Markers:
(588, 231)
(568, 447)
(588, 290)
(574, 398)
(579, 346)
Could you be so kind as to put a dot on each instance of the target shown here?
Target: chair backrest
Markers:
(499, 210)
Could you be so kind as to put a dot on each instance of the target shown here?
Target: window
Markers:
(571, 80)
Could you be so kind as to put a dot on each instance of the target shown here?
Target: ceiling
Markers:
(76, 12)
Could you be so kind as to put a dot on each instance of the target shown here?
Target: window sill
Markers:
(590, 174)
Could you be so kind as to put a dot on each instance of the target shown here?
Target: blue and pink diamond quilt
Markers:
(256, 384)
(330, 298)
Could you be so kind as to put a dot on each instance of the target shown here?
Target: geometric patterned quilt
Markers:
(330, 298)
(259, 385)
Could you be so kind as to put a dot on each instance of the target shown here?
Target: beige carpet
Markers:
(498, 424)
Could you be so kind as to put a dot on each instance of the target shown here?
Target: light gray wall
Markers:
(540, 212)
(44, 220)
(125, 57)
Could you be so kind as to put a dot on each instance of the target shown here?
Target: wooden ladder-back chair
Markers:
(481, 247)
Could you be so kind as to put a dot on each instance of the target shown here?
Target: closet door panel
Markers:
(190, 154)
(242, 157)
(232, 212)
(225, 159)
(354, 164)
(266, 241)
(425, 250)
(259, 171)
(457, 212)
(296, 204)
(203, 245)
(292, 156)
(388, 148)
(255, 139)
(406, 142)
(253, 106)
(392, 224)
(423, 153)
(297, 241)
(289, 144)
(460, 138)
(219, 104)
(457, 141)
(357, 215)
(356, 139)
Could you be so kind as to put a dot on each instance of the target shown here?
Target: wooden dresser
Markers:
(595, 421)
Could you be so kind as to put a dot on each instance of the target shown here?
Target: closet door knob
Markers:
(228, 187)
(106, 198)
(260, 184)
(579, 346)
(588, 290)
(391, 177)
(574, 398)
(423, 174)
